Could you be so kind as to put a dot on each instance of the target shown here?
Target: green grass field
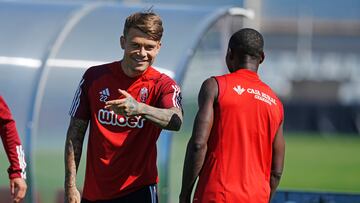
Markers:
(322, 163)
(313, 163)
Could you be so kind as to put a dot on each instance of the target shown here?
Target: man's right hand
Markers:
(72, 195)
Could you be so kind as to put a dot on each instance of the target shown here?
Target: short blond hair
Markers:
(148, 22)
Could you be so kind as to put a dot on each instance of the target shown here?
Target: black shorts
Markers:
(147, 194)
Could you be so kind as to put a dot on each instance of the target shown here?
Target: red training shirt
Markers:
(11, 142)
(121, 154)
(238, 161)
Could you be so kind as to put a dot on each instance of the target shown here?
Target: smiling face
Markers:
(140, 52)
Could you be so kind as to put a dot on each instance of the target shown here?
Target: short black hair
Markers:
(247, 41)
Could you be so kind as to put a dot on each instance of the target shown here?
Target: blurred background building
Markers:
(312, 58)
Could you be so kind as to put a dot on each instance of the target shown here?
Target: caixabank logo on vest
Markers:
(259, 95)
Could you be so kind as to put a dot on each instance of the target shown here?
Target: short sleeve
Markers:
(170, 94)
(80, 105)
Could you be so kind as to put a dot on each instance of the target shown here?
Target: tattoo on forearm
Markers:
(70, 176)
(169, 119)
(73, 149)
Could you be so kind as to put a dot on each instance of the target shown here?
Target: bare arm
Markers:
(73, 149)
(278, 156)
(197, 146)
(169, 119)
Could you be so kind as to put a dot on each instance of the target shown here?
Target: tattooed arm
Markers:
(169, 119)
(73, 148)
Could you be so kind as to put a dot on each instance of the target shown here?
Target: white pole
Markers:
(256, 6)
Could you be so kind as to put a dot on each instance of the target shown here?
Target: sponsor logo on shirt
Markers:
(107, 117)
(257, 94)
(104, 95)
(238, 89)
(144, 94)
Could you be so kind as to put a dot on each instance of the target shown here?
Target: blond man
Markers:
(127, 104)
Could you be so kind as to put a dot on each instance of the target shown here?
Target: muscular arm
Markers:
(197, 146)
(169, 119)
(277, 165)
(73, 149)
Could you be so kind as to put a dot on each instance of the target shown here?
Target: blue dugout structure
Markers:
(46, 47)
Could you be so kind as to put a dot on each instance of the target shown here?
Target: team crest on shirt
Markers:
(144, 94)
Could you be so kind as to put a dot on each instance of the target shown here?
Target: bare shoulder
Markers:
(210, 83)
(209, 89)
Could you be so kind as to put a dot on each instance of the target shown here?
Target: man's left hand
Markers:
(18, 189)
(127, 106)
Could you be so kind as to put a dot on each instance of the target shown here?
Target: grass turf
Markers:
(313, 163)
